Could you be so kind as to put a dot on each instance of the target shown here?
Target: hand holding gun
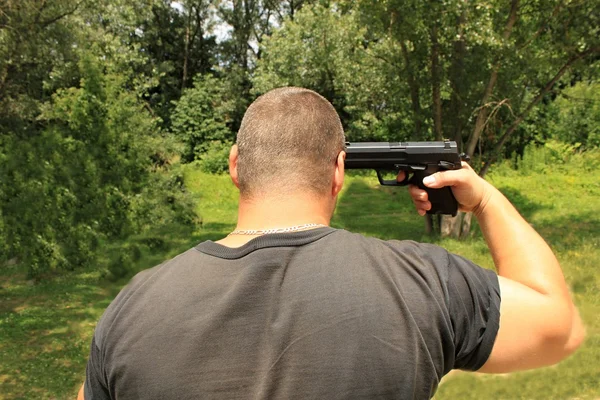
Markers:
(420, 159)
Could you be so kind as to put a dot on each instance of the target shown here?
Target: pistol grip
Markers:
(442, 200)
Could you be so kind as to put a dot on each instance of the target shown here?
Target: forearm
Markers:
(539, 324)
(519, 252)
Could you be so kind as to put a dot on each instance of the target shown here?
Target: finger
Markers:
(416, 193)
(401, 176)
(422, 205)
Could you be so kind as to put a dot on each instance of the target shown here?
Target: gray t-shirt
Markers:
(319, 314)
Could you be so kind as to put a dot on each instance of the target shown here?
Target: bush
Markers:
(164, 201)
(577, 115)
(550, 157)
(201, 116)
(89, 174)
(120, 267)
(215, 159)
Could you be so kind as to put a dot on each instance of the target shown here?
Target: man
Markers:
(287, 307)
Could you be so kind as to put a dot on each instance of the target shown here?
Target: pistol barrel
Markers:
(385, 155)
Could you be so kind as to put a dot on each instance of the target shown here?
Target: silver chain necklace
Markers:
(275, 230)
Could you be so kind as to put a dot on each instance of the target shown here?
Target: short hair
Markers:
(289, 140)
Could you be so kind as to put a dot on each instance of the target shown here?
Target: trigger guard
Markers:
(407, 180)
(414, 180)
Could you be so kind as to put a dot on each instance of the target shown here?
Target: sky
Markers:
(221, 30)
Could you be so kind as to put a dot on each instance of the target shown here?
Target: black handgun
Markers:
(418, 159)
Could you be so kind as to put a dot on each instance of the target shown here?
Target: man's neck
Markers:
(275, 212)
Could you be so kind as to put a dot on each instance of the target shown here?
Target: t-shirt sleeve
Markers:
(95, 383)
(474, 307)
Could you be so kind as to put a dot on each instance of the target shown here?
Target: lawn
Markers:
(45, 328)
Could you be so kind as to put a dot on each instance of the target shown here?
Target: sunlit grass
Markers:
(46, 328)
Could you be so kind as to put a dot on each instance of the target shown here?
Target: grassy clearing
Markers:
(45, 329)
(564, 210)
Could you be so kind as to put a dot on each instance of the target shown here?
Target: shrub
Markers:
(216, 157)
(201, 116)
(89, 174)
(553, 156)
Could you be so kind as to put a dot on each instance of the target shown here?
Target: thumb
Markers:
(441, 179)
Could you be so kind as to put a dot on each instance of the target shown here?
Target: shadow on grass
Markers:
(378, 211)
(45, 331)
(570, 230)
(46, 328)
(526, 207)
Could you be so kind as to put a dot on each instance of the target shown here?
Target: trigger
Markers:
(407, 179)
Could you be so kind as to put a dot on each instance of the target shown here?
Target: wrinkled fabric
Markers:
(318, 314)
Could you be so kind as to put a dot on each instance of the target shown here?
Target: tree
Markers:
(336, 61)
(78, 150)
(515, 53)
(576, 116)
(200, 118)
(32, 32)
(174, 43)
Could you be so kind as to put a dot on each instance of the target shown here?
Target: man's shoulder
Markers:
(145, 277)
(405, 247)
(139, 284)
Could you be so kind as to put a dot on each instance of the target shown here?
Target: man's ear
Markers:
(338, 176)
(233, 160)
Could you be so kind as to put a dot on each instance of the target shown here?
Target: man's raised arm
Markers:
(539, 325)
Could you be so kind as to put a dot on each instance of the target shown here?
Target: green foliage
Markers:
(173, 43)
(85, 88)
(577, 112)
(551, 157)
(85, 177)
(46, 328)
(215, 158)
(36, 57)
(325, 50)
(163, 201)
(201, 116)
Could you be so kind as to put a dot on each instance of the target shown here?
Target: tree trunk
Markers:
(413, 86)
(435, 84)
(292, 10)
(451, 225)
(466, 225)
(186, 53)
(468, 217)
(457, 79)
(428, 224)
(445, 224)
(460, 226)
(483, 109)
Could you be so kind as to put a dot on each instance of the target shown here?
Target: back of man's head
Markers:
(288, 141)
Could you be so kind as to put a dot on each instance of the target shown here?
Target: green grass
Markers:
(564, 210)
(46, 328)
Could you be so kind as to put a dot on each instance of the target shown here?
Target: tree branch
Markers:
(39, 12)
(532, 103)
(543, 27)
(482, 115)
(52, 20)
